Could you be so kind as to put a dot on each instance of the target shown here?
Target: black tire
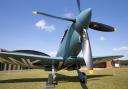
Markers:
(50, 79)
(56, 82)
(82, 81)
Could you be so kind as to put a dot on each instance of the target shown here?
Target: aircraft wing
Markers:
(70, 64)
(28, 60)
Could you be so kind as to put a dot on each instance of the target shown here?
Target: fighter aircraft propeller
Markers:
(86, 48)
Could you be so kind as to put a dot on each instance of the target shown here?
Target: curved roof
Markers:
(31, 52)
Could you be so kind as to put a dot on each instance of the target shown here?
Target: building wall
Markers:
(5, 67)
(107, 64)
(100, 65)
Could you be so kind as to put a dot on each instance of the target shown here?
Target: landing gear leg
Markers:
(52, 79)
(81, 75)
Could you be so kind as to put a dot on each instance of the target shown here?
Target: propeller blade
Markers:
(86, 49)
(78, 4)
(101, 27)
(52, 16)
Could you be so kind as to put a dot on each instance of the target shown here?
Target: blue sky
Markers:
(20, 29)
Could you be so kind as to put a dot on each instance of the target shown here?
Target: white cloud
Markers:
(102, 38)
(69, 15)
(123, 58)
(53, 53)
(45, 26)
(123, 48)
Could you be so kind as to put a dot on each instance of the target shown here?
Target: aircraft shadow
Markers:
(23, 80)
(65, 78)
(83, 86)
(60, 78)
(96, 76)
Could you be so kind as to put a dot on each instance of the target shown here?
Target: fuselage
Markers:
(70, 46)
(71, 43)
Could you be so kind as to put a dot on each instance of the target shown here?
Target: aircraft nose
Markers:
(84, 18)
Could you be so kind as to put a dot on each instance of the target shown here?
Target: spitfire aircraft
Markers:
(74, 40)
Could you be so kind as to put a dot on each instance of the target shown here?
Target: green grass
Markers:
(36, 79)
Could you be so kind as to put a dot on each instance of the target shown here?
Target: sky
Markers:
(20, 29)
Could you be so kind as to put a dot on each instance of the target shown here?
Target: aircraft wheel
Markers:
(82, 80)
(56, 82)
(50, 79)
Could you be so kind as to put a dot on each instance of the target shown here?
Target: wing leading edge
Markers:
(71, 62)
(28, 60)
